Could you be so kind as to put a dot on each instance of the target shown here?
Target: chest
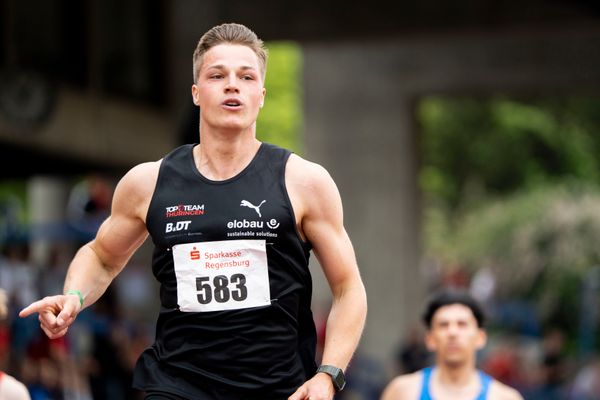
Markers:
(473, 391)
(189, 212)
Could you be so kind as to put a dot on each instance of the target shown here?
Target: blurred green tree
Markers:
(513, 185)
(280, 120)
(476, 148)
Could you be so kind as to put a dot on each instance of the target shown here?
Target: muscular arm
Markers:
(323, 227)
(318, 208)
(97, 263)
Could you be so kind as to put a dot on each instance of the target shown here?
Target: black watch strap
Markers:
(336, 374)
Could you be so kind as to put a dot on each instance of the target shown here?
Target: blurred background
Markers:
(464, 138)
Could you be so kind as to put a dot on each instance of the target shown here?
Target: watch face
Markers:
(339, 381)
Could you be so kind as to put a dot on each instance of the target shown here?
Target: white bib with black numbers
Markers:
(221, 275)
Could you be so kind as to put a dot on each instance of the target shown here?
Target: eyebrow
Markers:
(452, 319)
(222, 67)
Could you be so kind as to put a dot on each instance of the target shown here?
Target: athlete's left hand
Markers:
(319, 387)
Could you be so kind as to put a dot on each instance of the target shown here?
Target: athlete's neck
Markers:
(221, 157)
(456, 376)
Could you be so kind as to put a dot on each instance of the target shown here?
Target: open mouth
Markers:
(232, 103)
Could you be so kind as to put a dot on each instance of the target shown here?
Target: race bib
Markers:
(222, 275)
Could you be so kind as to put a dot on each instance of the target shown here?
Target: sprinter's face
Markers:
(455, 335)
(229, 88)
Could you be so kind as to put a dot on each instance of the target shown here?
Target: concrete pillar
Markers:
(46, 197)
(359, 126)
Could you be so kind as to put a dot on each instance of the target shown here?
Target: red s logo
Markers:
(194, 254)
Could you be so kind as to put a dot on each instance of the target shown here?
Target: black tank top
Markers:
(228, 349)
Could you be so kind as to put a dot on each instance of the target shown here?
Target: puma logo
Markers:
(246, 203)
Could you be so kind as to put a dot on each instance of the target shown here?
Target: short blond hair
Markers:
(233, 34)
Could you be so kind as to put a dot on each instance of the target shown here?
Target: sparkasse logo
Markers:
(194, 254)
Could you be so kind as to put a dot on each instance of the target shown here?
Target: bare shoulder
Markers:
(500, 391)
(313, 193)
(305, 173)
(404, 387)
(308, 180)
(136, 187)
(13, 389)
(141, 179)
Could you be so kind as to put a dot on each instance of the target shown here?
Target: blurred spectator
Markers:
(455, 277)
(19, 279)
(111, 368)
(135, 289)
(516, 315)
(4, 331)
(42, 366)
(502, 361)
(53, 273)
(454, 333)
(412, 355)
(483, 286)
(365, 378)
(17, 276)
(551, 385)
(89, 205)
(10, 388)
(586, 385)
(46, 383)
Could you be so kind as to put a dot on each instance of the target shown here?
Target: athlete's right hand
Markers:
(56, 313)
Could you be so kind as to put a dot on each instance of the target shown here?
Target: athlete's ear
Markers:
(481, 339)
(430, 341)
(195, 94)
(262, 101)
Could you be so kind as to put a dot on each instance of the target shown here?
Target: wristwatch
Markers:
(337, 376)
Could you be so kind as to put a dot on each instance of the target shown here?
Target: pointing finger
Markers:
(36, 307)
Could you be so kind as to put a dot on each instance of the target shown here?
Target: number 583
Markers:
(219, 289)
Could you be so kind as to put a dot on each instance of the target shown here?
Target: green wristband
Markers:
(78, 293)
